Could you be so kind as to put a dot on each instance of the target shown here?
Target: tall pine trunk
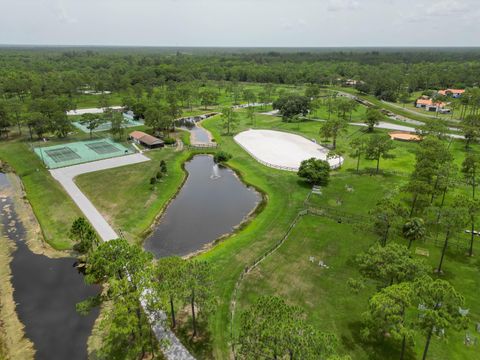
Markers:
(444, 249)
(414, 203)
(172, 311)
(404, 344)
(194, 320)
(427, 344)
(470, 252)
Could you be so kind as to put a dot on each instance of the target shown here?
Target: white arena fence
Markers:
(334, 166)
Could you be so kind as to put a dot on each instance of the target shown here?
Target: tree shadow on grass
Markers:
(304, 184)
(371, 172)
(201, 345)
(377, 350)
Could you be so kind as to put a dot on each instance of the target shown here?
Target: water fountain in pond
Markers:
(215, 172)
(203, 210)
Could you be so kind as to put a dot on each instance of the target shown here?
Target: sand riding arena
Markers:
(283, 150)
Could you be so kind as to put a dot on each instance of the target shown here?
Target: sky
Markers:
(241, 23)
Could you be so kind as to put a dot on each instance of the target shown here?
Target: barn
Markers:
(149, 141)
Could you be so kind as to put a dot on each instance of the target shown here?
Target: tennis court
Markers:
(58, 156)
(129, 121)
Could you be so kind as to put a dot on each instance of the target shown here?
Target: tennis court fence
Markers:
(73, 153)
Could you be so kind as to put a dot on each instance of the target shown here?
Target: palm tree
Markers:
(413, 230)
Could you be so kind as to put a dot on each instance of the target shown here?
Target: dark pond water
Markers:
(46, 292)
(211, 203)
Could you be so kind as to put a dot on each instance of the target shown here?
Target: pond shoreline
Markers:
(240, 226)
(13, 342)
(35, 239)
(259, 205)
(42, 290)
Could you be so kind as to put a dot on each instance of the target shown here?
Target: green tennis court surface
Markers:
(128, 122)
(80, 152)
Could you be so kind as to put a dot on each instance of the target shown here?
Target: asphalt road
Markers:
(65, 176)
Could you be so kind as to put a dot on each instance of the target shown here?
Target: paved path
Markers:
(65, 176)
(389, 126)
(418, 113)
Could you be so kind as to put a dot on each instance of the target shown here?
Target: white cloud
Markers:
(294, 25)
(242, 22)
(453, 11)
(340, 5)
(60, 10)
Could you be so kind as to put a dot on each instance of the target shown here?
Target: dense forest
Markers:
(384, 74)
(358, 261)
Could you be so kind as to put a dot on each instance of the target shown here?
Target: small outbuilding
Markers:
(149, 141)
(404, 136)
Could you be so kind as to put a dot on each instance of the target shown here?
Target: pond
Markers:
(199, 134)
(45, 292)
(211, 203)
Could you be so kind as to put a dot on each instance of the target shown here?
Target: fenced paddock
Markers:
(281, 150)
(58, 156)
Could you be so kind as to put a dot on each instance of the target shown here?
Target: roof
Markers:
(145, 138)
(429, 102)
(451, 91)
(403, 135)
(424, 101)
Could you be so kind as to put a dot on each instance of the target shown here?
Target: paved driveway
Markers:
(65, 176)
(174, 350)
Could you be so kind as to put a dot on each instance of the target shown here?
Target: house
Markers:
(455, 93)
(423, 103)
(429, 105)
(149, 141)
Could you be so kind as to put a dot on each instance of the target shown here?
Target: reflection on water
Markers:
(211, 203)
(46, 292)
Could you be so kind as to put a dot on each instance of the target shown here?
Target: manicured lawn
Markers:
(395, 109)
(287, 272)
(53, 208)
(125, 197)
(128, 201)
(330, 303)
(92, 101)
(285, 196)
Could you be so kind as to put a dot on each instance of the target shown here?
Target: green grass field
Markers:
(131, 204)
(53, 208)
(329, 301)
(285, 192)
(287, 272)
(126, 198)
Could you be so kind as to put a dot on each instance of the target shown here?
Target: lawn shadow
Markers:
(376, 349)
(200, 346)
(304, 184)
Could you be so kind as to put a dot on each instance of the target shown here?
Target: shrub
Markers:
(315, 171)
(163, 167)
(169, 141)
(221, 157)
